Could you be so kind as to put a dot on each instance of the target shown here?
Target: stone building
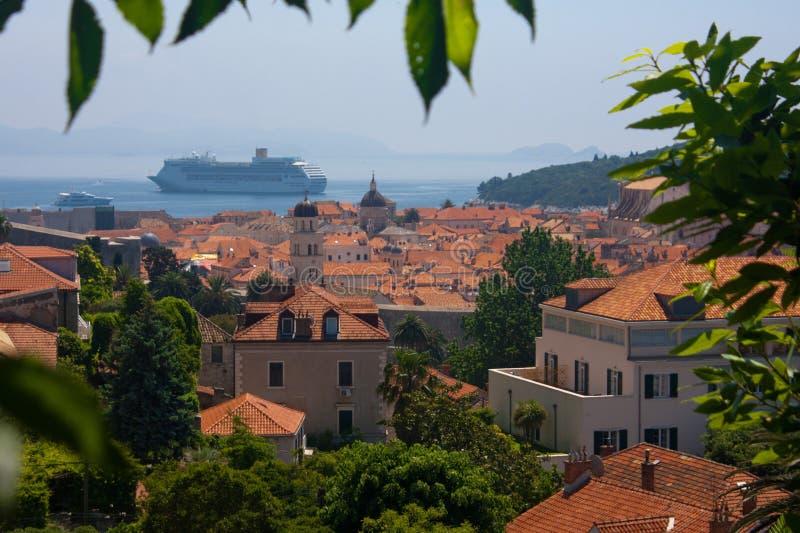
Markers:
(306, 253)
(216, 354)
(375, 210)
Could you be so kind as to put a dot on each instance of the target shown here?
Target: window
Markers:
(316, 250)
(275, 374)
(664, 437)
(581, 377)
(216, 354)
(287, 326)
(613, 382)
(661, 385)
(556, 322)
(652, 337)
(345, 421)
(331, 326)
(345, 373)
(612, 334)
(581, 328)
(551, 368)
(690, 333)
(618, 438)
(309, 249)
(330, 257)
(358, 257)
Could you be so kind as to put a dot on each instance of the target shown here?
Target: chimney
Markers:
(606, 450)
(219, 396)
(748, 500)
(649, 472)
(576, 464)
(721, 522)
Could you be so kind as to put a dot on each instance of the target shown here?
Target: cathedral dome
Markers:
(373, 198)
(305, 209)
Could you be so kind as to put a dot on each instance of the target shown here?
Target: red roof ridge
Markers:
(59, 280)
(229, 408)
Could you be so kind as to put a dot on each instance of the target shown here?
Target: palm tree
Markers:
(216, 298)
(529, 416)
(413, 333)
(259, 285)
(122, 275)
(408, 374)
(171, 283)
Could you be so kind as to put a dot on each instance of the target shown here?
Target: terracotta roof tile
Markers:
(32, 341)
(658, 524)
(26, 275)
(210, 332)
(316, 301)
(261, 416)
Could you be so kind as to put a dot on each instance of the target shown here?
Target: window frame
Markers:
(282, 375)
(217, 357)
(665, 436)
(614, 382)
(339, 373)
(339, 411)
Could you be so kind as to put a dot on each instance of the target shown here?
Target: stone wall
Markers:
(447, 320)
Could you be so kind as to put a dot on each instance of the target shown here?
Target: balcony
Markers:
(553, 376)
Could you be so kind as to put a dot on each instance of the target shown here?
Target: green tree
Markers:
(218, 297)
(71, 349)
(408, 373)
(153, 401)
(737, 153)
(171, 283)
(433, 418)
(411, 216)
(436, 34)
(122, 275)
(414, 333)
(447, 203)
(5, 228)
(243, 449)
(507, 318)
(413, 519)
(135, 298)
(158, 260)
(208, 497)
(259, 285)
(104, 325)
(97, 281)
(373, 478)
(227, 322)
(529, 416)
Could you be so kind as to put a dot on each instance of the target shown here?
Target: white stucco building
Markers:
(603, 370)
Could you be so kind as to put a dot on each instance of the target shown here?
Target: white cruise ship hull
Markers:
(264, 175)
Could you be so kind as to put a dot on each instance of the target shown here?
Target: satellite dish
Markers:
(596, 466)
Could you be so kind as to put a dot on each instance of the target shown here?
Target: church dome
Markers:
(150, 240)
(305, 209)
(373, 198)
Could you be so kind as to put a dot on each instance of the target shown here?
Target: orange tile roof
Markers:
(316, 301)
(210, 332)
(372, 268)
(439, 298)
(459, 389)
(658, 524)
(685, 489)
(44, 252)
(32, 341)
(263, 417)
(25, 275)
(634, 297)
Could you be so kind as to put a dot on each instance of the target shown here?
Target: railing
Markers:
(551, 375)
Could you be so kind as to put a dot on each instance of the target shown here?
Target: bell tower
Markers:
(306, 251)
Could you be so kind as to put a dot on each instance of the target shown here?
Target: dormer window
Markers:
(331, 325)
(286, 325)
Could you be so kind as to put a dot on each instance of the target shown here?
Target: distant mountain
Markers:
(568, 186)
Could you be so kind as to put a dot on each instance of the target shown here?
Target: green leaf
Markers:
(704, 341)
(300, 4)
(765, 457)
(753, 305)
(763, 271)
(8, 8)
(461, 30)
(712, 374)
(711, 405)
(528, 12)
(147, 16)
(198, 15)
(634, 170)
(53, 406)
(674, 49)
(629, 102)
(356, 8)
(634, 56)
(662, 122)
(711, 113)
(426, 48)
(668, 81)
(85, 55)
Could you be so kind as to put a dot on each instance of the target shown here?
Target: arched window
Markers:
(316, 251)
(309, 249)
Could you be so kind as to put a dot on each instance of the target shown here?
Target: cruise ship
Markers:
(263, 175)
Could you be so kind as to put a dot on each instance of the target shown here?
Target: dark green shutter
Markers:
(586, 378)
(673, 438)
(651, 436)
(673, 385)
(648, 385)
(598, 441)
(576, 376)
(623, 439)
(608, 382)
(619, 383)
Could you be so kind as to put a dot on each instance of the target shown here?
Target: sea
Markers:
(142, 194)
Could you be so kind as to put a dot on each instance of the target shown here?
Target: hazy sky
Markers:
(279, 70)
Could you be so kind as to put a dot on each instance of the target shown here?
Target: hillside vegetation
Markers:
(568, 186)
